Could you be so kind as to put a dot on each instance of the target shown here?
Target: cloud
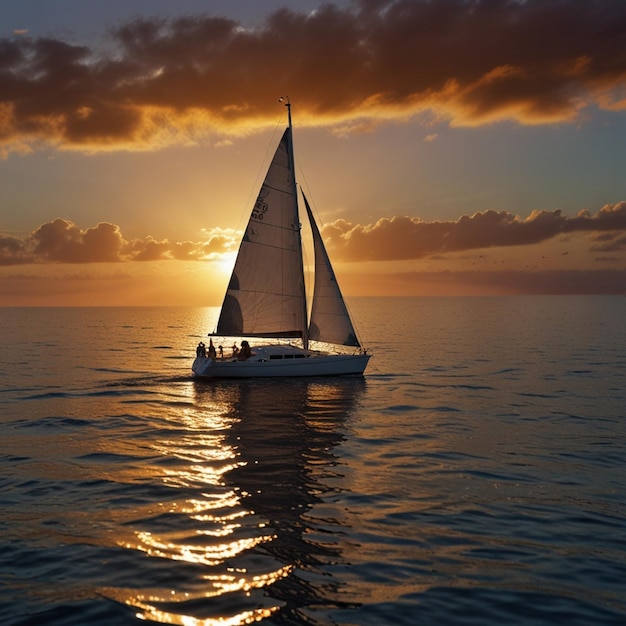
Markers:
(389, 239)
(175, 81)
(61, 241)
(404, 238)
(609, 242)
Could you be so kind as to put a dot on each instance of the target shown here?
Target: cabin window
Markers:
(276, 356)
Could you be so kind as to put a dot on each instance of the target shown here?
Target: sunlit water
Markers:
(475, 475)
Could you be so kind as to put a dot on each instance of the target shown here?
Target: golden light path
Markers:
(211, 530)
(221, 585)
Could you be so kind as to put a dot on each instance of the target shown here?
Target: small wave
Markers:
(110, 457)
(452, 386)
(82, 394)
(56, 422)
(392, 376)
(11, 458)
(474, 387)
(528, 394)
(147, 381)
(48, 395)
(499, 477)
(111, 370)
(400, 408)
(17, 390)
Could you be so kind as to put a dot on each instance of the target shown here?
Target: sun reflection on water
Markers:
(245, 617)
(205, 523)
(204, 554)
(239, 470)
(169, 607)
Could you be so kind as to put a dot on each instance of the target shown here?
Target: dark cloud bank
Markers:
(167, 81)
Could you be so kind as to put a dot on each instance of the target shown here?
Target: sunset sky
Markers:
(447, 146)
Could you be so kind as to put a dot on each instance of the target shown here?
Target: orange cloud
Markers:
(174, 81)
(403, 238)
(61, 241)
(390, 239)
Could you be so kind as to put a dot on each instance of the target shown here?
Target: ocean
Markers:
(475, 475)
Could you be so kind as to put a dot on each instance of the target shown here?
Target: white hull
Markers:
(276, 361)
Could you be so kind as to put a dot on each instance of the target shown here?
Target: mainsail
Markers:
(266, 294)
(330, 320)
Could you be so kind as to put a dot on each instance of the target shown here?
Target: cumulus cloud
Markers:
(390, 239)
(173, 81)
(404, 238)
(61, 241)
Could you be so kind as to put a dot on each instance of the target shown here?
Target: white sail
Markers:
(266, 296)
(330, 320)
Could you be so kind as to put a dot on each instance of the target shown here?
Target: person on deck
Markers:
(212, 353)
(245, 352)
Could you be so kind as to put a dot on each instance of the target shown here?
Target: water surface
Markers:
(475, 475)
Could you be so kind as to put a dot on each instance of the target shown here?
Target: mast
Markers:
(292, 168)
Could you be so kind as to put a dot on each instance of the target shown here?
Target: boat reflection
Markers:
(251, 532)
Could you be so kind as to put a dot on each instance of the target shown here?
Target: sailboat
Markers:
(266, 296)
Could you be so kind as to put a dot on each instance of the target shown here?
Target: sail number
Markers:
(260, 206)
(259, 211)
